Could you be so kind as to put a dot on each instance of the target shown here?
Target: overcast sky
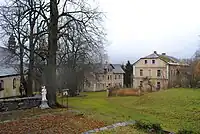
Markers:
(138, 27)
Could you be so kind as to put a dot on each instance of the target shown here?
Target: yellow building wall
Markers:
(150, 70)
(8, 86)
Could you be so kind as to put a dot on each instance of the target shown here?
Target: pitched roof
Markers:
(117, 68)
(166, 58)
(7, 63)
(99, 68)
(153, 55)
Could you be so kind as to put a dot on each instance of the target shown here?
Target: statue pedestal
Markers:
(44, 105)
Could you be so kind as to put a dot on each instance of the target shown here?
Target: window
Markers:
(105, 70)
(108, 77)
(158, 85)
(115, 77)
(141, 72)
(98, 85)
(153, 61)
(141, 85)
(102, 76)
(145, 62)
(177, 72)
(14, 83)
(149, 73)
(1, 85)
(120, 85)
(158, 73)
(119, 76)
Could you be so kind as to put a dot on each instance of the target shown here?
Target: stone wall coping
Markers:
(18, 99)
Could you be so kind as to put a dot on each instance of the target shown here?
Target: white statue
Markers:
(44, 93)
(44, 104)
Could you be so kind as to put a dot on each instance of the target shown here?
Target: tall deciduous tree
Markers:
(57, 19)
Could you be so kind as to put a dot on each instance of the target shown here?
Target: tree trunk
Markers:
(21, 68)
(52, 48)
(31, 60)
(21, 53)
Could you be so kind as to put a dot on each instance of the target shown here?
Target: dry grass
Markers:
(54, 122)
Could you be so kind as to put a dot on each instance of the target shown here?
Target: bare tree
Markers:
(10, 18)
(59, 20)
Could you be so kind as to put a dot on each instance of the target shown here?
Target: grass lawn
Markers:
(174, 109)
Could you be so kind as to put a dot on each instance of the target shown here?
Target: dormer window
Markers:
(145, 62)
(105, 70)
(153, 61)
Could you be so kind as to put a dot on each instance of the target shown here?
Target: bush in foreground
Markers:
(149, 127)
(184, 131)
(155, 128)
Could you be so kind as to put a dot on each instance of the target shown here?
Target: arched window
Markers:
(14, 83)
(1, 85)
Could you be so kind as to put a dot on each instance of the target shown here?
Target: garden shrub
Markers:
(149, 127)
(184, 131)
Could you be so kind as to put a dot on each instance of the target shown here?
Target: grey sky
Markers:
(138, 27)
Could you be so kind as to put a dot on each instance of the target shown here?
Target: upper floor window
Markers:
(119, 76)
(141, 72)
(158, 73)
(115, 76)
(153, 61)
(108, 77)
(145, 62)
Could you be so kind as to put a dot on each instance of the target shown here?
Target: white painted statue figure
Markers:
(44, 104)
(44, 93)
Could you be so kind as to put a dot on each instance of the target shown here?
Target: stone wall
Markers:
(19, 103)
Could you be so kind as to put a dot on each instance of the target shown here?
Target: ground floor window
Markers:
(14, 83)
(1, 85)
(158, 85)
(141, 83)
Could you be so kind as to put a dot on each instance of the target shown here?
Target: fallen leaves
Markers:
(66, 123)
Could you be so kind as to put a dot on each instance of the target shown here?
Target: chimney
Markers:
(155, 52)
(163, 53)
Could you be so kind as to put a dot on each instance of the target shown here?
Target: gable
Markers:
(158, 62)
